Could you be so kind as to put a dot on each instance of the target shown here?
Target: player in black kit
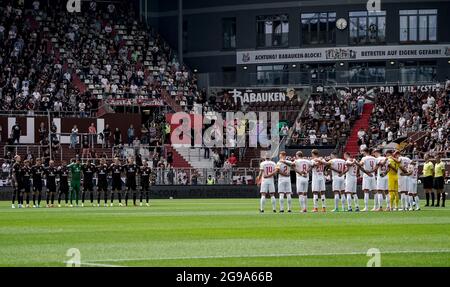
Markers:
(144, 173)
(88, 170)
(63, 173)
(116, 171)
(50, 176)
(26, 173)
(16, 179)
(38, 173)
(102, 182)
(130, 169)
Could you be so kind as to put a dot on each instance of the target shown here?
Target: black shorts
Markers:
(131, 185)
(64, 188)
(102, 186)
(27, 188)
(439, 182)
(428, 182)
(51, 188)
(145, 187)
(88, 187)
(37, 188)
(117, 185)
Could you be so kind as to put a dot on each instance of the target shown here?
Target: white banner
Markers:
(343, 53)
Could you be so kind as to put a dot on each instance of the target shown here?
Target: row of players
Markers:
(28, 182)
(384, 176)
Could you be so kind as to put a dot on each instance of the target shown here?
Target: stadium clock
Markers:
(341, 23)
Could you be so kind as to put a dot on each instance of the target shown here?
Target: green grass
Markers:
(220, 232)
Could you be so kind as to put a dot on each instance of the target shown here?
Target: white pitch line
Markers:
(265, 255)
(99, 264)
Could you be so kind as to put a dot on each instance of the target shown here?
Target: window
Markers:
(367, 27)
(371, 72)
(418, 25)
(272, 74)
(412, 72)
(185, 36)
(272, 31)
(229, 33)
(318, 28)
(313, 73)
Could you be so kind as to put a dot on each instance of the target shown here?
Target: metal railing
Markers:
(35, 150)
(311, 77)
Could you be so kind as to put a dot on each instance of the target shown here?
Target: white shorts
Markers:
(284, 186)
(302, 185)
(369, 183)
(403, 183)
(382, 183)
(412, 186)
(267, 187)
(338, 183)
(350, 184)
(318, 184)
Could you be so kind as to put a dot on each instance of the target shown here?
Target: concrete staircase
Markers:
(194, 157)
(178, 160)
(363, 122)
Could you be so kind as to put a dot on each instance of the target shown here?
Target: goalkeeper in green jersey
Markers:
(75, 181)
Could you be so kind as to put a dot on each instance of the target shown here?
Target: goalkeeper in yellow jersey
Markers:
(394, 166)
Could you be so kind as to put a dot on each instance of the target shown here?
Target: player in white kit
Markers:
(351, 172)
(318, 180)
(302, 168)
(382, 180)
(369, 184)
(403, 182)
(337, 167)
(284, 181)
(413, 171)
(267, 172)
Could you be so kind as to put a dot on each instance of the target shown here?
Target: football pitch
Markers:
(221, 232)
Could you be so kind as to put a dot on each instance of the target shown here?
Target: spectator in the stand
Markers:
(233, 160)
(144, 134)
(85, 147)
(170, 176)
(92, 135)
(194, 178)
(312, 137)
(360, 104)
(211, 180)
(16, 132)
(130, 135)
(361, 133)
(1, 131)
(106, 136)
(206, 152)
(117, 137)
(82, 109)
(6, 168)
(42, 131)
(170, 158)
(73, 137)
(216, 159)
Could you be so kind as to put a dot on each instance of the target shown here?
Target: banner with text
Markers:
(249, 96)
(135, 102)
(343, 53)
